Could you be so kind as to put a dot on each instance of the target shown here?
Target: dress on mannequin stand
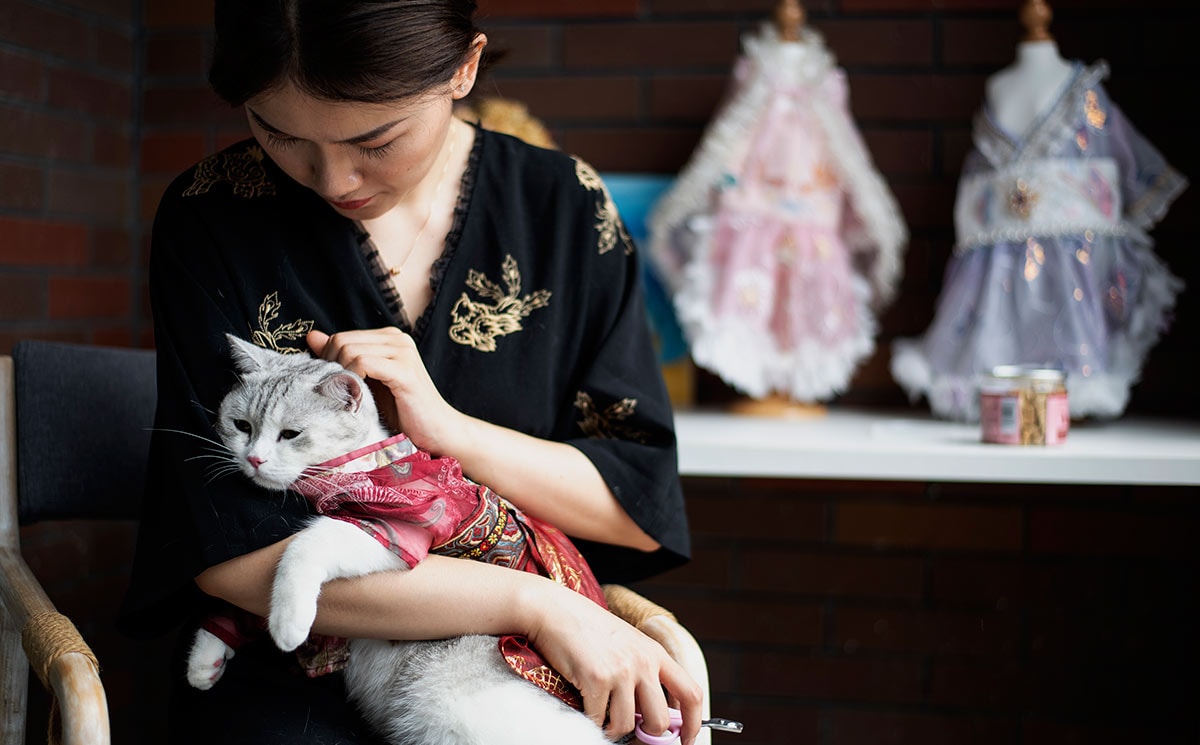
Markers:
(779, 240)
(1052, 265)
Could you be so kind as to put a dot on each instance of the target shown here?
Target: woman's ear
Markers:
(468, 72)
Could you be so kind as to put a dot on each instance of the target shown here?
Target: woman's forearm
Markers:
(440, 597)
(552, 481)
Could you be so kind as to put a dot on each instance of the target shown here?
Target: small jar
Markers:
(1024, 405)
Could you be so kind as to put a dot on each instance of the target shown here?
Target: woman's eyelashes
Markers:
(280, 142)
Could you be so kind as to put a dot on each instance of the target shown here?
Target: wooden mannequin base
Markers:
(779, 406)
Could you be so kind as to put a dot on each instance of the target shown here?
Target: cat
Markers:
(285, 415)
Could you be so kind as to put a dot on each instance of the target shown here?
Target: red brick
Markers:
(857, 727)
(891, 525)
(171, 152)
(666, 45)
(21, 187)
(121, 10)
(926, 204)
(792, 520)
(1047, 732)
(764, 8)
(1110, 533)
(22, 297)
(608, 98)
(913, 98)
(42, 243)
(927, 632)
(88, 94)
(832, 574)
(114, 336)
(31, 26)
(768, 720)
(112, 146)
(843, 679)
(170, 13)
(89, 297)
(658, 150)
(555, 8)
(979, 41)
(893, 42)
(21, 76)
(710, 567)
(102, 195)
(151, 189)
(177, 54)
(114, 49)
(723, 618)
(523, 47)
(187, 105)
(113, 247)
(33, 133)
(900, 152)
(690, 98)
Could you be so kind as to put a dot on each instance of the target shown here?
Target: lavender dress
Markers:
(1052, 265)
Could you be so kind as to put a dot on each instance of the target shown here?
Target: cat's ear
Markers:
(344, 388)
(247, 356)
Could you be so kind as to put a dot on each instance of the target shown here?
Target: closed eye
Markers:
(289, 434)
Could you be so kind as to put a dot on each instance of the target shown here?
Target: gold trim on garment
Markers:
(271, 338)
(477, 324)
(609, 424)
(243, 170)
(609, 228)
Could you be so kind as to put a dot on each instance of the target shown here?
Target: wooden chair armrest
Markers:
(56, 652)
(660, 624)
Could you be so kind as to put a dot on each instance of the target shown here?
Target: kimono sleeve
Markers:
(197, 511)
(1148, 183)
(622, 411)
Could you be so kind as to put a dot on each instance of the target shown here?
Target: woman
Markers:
(490, 294)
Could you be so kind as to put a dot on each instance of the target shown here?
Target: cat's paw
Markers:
(206, 661)
(291, 620)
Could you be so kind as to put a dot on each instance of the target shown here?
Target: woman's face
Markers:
(361, 158)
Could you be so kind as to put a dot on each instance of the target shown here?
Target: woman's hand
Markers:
(389, 357)
(618, 669)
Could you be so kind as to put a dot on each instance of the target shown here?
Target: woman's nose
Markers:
(335, 176)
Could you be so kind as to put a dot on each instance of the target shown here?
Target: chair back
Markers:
(84, 415)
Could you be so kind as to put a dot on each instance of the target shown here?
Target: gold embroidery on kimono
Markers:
(609, 228)
(242, 170)
(272, 338)
(609, 424)
(477, 323)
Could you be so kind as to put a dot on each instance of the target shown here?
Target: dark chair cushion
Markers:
(84, 415)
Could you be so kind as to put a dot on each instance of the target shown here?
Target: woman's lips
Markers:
(351, 205)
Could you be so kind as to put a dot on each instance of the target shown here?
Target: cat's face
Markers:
(291, 412)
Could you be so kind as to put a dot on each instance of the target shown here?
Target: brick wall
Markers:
(893, 613)
(837, 613)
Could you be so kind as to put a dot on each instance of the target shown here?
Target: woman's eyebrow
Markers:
(364, 137)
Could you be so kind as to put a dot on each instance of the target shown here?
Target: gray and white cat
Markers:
(286, 414)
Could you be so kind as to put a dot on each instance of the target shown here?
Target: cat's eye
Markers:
(289, 434)
(242, 425)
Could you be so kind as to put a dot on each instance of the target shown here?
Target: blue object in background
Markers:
(635, 195)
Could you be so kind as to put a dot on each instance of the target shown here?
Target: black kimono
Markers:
(536, 323)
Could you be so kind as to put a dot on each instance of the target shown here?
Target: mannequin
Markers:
(779, 239)
(1019, 94)
(1053, 264)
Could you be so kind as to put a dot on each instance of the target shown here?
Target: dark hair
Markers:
(374, 51)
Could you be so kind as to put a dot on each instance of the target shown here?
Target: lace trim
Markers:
(381, 275)
(466, 188)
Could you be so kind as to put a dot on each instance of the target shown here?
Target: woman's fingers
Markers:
(652, 705)
(687, 696)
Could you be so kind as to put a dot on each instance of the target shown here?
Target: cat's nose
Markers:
(255, 460)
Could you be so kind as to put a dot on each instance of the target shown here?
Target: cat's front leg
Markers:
(327, 549)
(206, 660)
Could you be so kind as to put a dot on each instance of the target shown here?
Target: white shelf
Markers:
(864, 445)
